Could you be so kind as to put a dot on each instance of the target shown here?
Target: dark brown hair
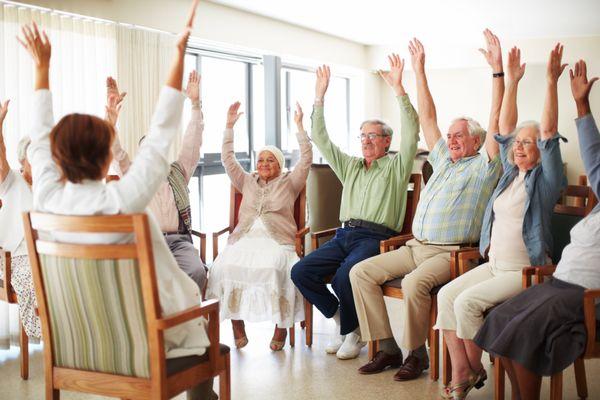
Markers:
(80, 146)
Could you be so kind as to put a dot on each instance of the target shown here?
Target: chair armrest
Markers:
(537, 273)
(205, 309)
(299, 241)
(202, 237)
(394, 242)
(461, 258)
(5, 289)
(215, 239)
(589, 311)
(315, 236)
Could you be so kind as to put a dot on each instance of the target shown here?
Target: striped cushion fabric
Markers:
(96, 315)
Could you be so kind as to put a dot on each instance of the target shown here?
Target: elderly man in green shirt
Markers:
(372, 209)
(449, 213)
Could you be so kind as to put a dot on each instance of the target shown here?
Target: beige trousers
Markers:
(462, 302)
(422, 266)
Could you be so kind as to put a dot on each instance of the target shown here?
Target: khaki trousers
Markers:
(422, 266)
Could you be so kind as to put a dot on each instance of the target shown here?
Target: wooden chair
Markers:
(412, 198)
(8, 295)
(80, 353)
(299, 216)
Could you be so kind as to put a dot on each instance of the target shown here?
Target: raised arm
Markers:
(427, 112)
(232, 166)
(393, 77)
(114, 101)
(192, 140)
(4, 167)
(514, 72)
(549, 123)
(589, 137)
(493, 56)
(301, 169)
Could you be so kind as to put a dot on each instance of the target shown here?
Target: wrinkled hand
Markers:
(298, 116)
(514, 69)
(393, 77)
(555, 68)
(417, 55)
(193, 87)
(580, 86)
(36, 44)
(3, 110)
(323, 76)
(233, 115)
(493, 51)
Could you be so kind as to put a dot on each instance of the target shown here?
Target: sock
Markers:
(389, 346)
(420, 353)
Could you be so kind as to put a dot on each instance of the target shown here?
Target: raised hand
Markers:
(581, 87)
(393, 77)
(193, 87)
(323, 76)
(493, 51)
(176, 73)
(233, 115)
(514, 69)
(38, 46)
(114, 101)
(112, 89)
(185, 34)
(417, 55)
(555, 68)
(298, 115)
(3, 111)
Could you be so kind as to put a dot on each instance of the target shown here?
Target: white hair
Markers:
(473, 128)
(22, 148)
(387, 130)
(526, 124)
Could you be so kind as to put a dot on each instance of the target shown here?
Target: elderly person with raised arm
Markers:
(449, 214)
(62, 184)
(171, 203)
(251, 277)
(516, 228)
(372, 209)
(541, 331)
(16, 197)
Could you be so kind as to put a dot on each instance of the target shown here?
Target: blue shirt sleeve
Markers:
(589, 146)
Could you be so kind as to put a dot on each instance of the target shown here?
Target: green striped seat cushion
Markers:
(96, 315)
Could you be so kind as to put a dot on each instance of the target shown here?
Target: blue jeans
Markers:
(348, 247)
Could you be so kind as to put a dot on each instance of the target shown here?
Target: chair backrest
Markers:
(412, 200)
(324, 194)
(236, 202)
(98, 303)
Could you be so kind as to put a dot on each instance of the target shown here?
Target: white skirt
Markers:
(251, 279)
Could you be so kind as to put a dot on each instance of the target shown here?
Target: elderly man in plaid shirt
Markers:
(449, 214)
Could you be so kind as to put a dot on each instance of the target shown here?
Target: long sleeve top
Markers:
(16, 198)
(163, 204)
(131, 194)
(271, 201)
(376, 194)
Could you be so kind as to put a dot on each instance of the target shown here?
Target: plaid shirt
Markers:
(451, 206)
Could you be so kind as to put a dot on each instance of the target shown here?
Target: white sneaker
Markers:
(334, 343)
(351, 347)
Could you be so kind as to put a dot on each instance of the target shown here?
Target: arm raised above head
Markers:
(4, 167)
(549, 122)
(514, 72)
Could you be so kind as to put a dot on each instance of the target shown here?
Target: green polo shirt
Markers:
(377, 194)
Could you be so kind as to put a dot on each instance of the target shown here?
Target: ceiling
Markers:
(389, 22)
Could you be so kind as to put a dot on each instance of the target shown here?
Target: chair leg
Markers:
(225, 381)
(446, 364)
(580, 378)
(308, 318)
(292, 336)
(498, 380)
(52, 394)
(556, 383)
(24, 343)
(434, 343)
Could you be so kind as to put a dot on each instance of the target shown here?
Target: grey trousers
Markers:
(187, 257)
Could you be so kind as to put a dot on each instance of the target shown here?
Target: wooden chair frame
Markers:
(235, 201)
(158, 385)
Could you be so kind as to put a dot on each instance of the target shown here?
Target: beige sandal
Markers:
(277, 345)
(476, 379)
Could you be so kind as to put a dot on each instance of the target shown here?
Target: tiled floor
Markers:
(292, 374)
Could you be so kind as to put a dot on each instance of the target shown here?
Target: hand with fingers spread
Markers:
(38, 46)
(233, 115)
(493, 51)
(393, 77)
(192, 90)
(555, 68)
(323, 76)
(581, 87)
(514, 69)
(298, 116)
(417, 55)
(114, 101)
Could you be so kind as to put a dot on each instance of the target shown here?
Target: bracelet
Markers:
(498, 74)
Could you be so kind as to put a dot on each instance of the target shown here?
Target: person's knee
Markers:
(414, 286)
(297, 272)
(465, 307)
(359, 272)
(445, 298)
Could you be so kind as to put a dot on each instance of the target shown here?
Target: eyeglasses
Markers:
(524, 143)
(371, 136)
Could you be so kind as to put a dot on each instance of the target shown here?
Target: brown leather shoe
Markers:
(380, 362)
(412, 368)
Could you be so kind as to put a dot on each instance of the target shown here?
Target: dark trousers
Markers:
(187, 257)
(348, 247)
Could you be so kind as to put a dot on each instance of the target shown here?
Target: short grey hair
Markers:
(22, 148)
(473, 127)
(387, 130)
(526, 124)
